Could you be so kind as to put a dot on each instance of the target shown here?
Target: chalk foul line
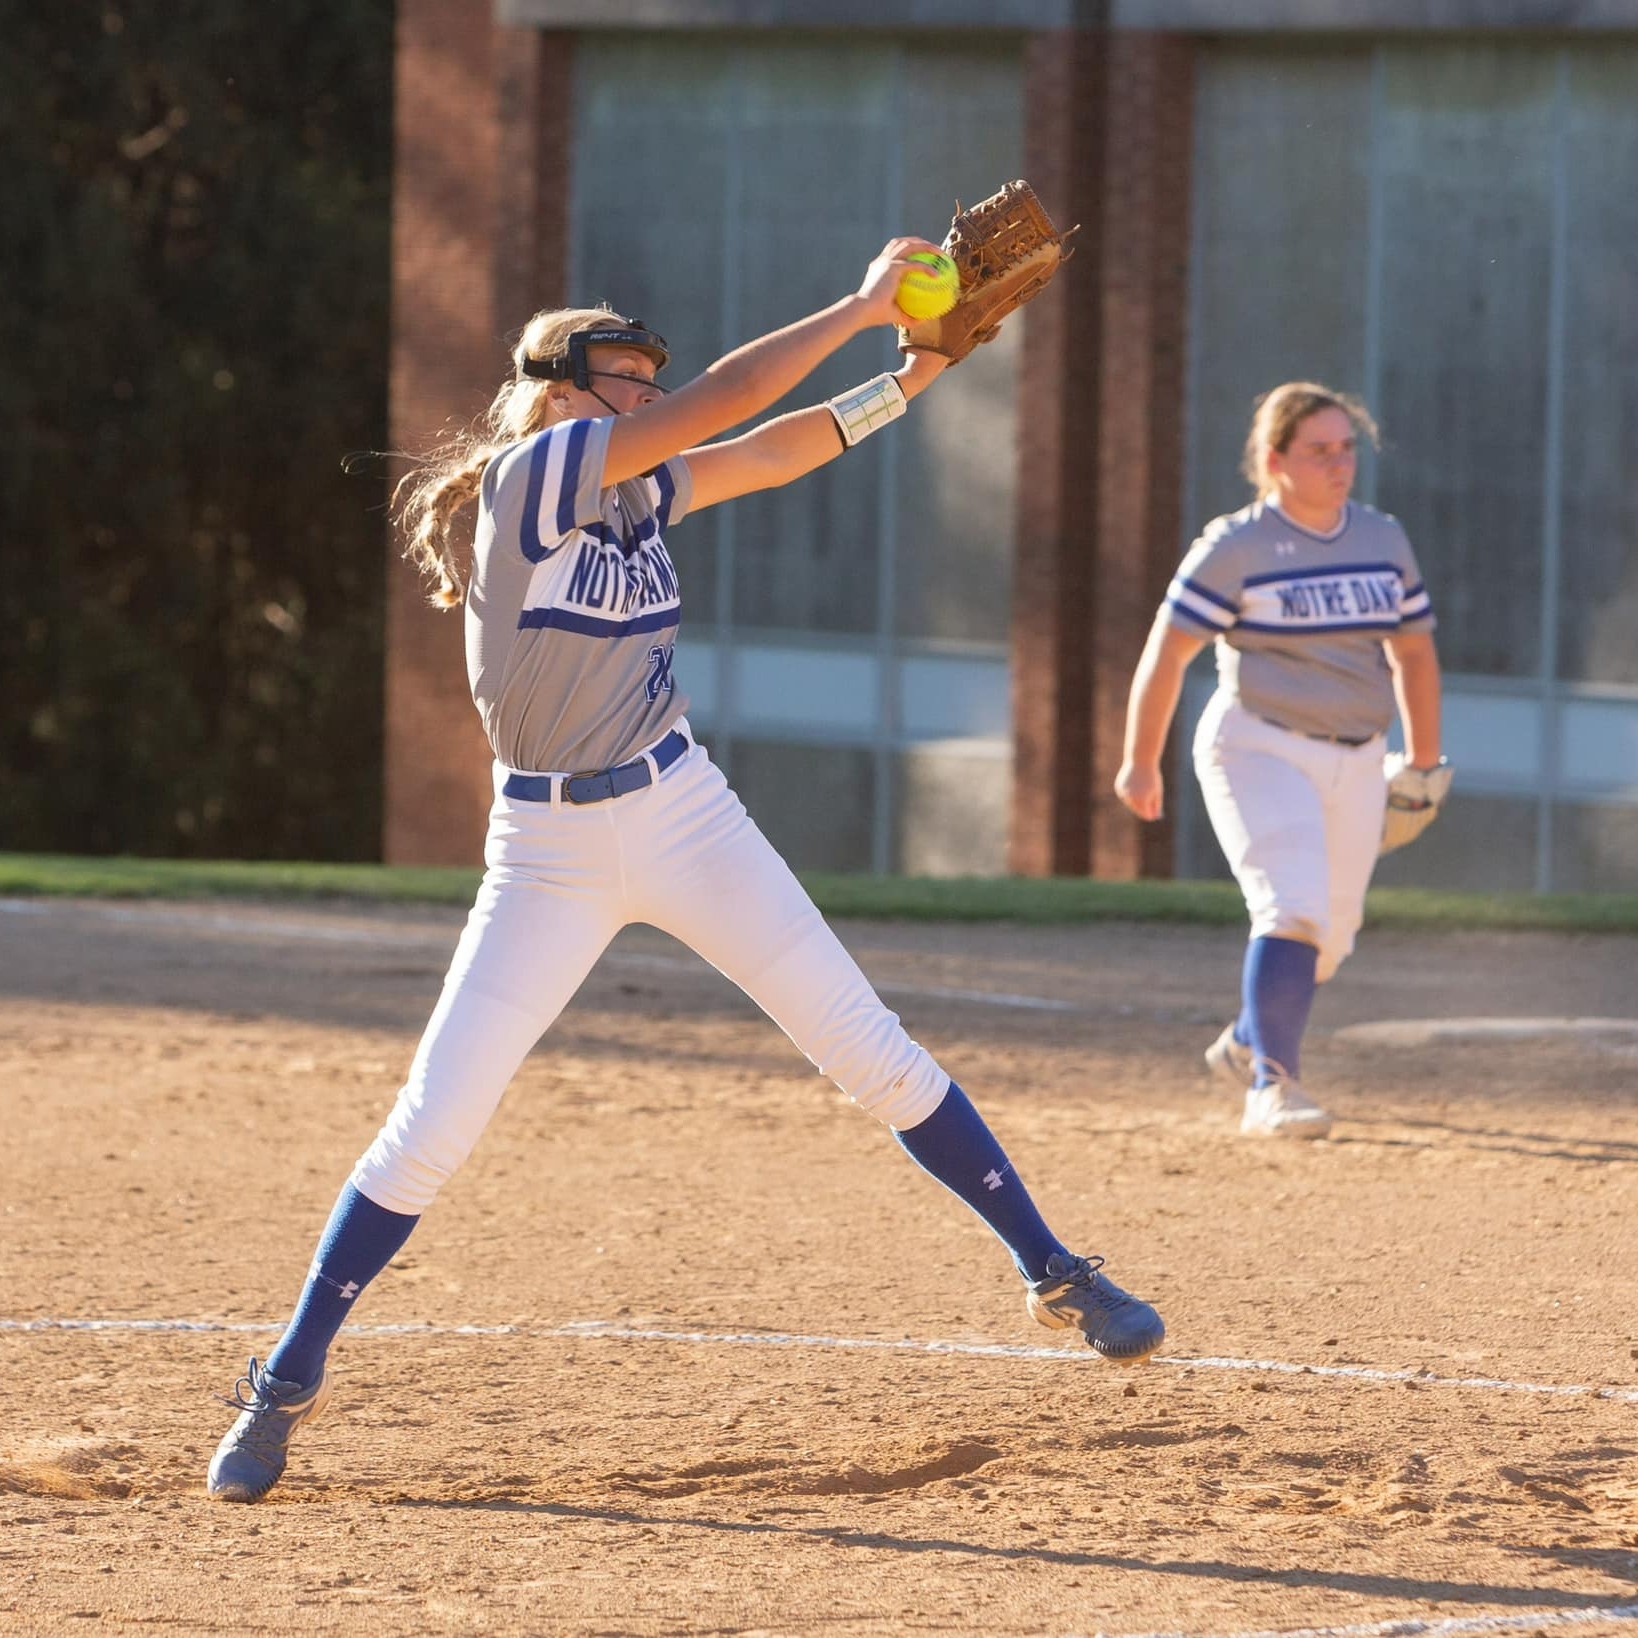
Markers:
(1452, 1627)
(603, 1330)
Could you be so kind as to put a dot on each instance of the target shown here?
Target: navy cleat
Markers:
(1115, 1324)
(250, 1459)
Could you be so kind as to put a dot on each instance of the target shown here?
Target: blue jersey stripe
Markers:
(588, 625)
(1319, 630)
(1329, 573)
(605, 536)
(668, 493)
(529, 536)
(540, 456)
(1195, 619)
(578, 433)
(1209, 595)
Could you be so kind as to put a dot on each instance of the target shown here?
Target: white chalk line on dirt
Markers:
(602, 1330)
(255, 927)
(594, 1330)
(1451, 1627)
(591, 1330)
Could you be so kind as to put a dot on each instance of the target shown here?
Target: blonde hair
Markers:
(1280, 412)
(447, 478)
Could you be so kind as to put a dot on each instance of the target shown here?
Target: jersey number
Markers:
(659, 676)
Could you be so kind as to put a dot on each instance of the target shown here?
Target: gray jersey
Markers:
(1299, 618)
(573, 608)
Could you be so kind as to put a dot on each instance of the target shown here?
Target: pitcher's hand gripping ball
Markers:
(1006, 252)
(930, 289)
(1415, 796)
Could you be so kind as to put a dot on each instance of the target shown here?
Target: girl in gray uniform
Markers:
(1322, 625)
(607, 812)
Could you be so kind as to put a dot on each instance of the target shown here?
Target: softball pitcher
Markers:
(607, 812)
(1322, 624)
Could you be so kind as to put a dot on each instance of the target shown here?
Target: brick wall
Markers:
(1140, 420)
(1101, 437)
(479, 226)
(1057, 433)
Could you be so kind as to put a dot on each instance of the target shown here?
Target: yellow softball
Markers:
(929, 294)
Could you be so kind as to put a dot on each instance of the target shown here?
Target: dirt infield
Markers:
(674, 1225)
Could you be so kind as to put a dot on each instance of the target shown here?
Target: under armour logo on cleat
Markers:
(992, 1180)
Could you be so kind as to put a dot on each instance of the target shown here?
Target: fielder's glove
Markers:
(1415, 796)
(1006, 251)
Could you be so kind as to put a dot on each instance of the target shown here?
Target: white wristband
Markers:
(866, 409)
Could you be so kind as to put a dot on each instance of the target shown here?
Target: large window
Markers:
(844, 639)
(1446, 226)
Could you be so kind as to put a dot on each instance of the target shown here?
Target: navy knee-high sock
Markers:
(1277, 991)
(359, 1241)
(955, 1145)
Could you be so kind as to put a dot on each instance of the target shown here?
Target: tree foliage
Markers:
(194, 323)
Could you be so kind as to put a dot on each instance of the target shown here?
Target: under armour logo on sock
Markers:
(349, 1290)
(346, 1292)
(992, 1180)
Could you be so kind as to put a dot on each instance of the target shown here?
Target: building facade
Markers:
(917, 659)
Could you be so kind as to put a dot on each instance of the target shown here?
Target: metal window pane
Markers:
(1595, 848)
(1598, 586)
(1466, 148)
(1480, 844)
(815, 135)
(1281, 203)
(1598, 747)
(813, 802)
(962, 127)
(654, 137)
(952, 808)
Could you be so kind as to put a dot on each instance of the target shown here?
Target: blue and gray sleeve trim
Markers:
(1200, 605)
(556, 463)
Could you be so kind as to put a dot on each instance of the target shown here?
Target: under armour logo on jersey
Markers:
(1285, 548)
(992, 1180)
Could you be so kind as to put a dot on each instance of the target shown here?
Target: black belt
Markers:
(1330, 739)
(582, 788)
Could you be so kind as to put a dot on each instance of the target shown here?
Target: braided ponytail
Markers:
(429, 501)
(446, 480)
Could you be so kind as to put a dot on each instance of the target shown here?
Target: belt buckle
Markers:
(604, 774)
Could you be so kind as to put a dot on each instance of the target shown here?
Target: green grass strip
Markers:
(60, 875)
(971, 898)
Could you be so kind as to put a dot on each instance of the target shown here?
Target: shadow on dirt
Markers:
(1374, 1586)
(1450, 1135)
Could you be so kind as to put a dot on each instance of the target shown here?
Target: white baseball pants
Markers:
(681, 855)
(1299, 820)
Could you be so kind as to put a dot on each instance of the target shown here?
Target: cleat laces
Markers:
(263, 1435)
(1082, 1274)
(260, 1396)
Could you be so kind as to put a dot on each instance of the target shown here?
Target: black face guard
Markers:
(573, 367)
